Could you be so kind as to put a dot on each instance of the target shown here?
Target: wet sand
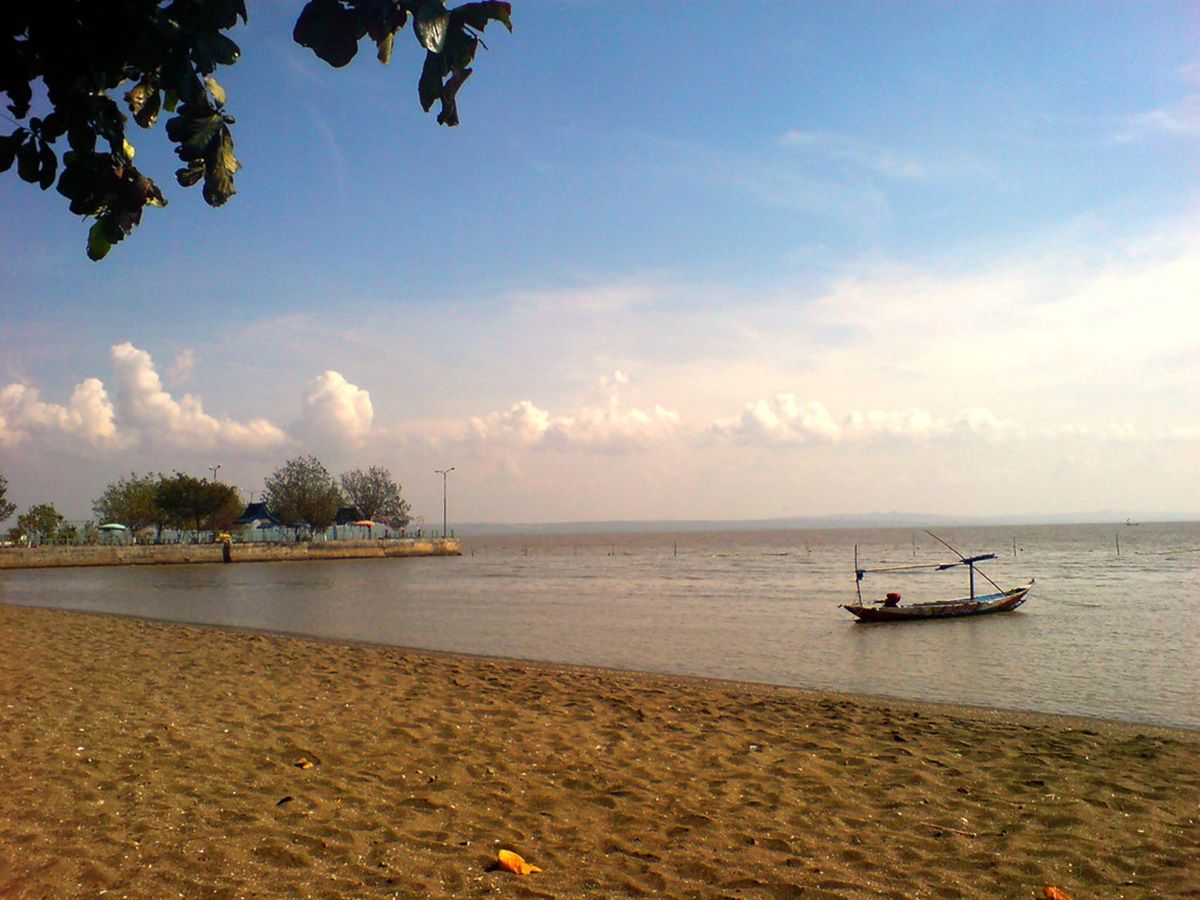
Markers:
(148, 759)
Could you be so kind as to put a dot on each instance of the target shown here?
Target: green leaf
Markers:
(98, 244)
(190, 174)
(219, 170)
(431, 23)
(194, 129)
(215, 89)
(144, 102)
(384, 47)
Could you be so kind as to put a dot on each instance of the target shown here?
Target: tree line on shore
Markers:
(301, 493)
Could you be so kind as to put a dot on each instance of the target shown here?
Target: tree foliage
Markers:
(132, 502)
(375, 494)
(190, 502)
(6, 508)
(302, 492)
(40, 523)
(159, 56)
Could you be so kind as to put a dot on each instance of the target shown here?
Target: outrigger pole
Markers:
(969, 562)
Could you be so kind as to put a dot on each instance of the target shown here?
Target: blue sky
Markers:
(680, 260)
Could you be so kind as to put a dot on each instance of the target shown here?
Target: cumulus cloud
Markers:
(606, 427)
(334, 410)
(779, 420)
(157, 417)
(88, 415)
(782, 420)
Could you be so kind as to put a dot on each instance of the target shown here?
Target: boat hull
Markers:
(943, 609)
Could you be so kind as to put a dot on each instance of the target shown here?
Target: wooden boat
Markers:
(941, 609)
(890, 610)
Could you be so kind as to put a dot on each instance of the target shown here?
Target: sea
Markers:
(1110, 630)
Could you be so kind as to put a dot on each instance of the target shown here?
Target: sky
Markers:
(679, 261)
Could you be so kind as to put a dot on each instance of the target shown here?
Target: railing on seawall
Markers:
(257, 551)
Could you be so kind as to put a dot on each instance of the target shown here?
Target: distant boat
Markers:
(1131, 522)
(890, 610)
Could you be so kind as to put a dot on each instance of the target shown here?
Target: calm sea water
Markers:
(1108, 635)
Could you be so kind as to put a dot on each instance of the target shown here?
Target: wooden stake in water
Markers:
(675, 548)
(1118, 537)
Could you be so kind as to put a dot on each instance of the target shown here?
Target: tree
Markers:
(302, 492)
(190, 502)
(375, 494)
(132, 502)
(165, 52)
(6, 508)
(66, 534)
(40, 522)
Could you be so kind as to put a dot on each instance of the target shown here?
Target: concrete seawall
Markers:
(174, 554)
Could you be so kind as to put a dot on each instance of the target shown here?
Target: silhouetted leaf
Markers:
(8, 148)
(212, 49)
(477, 15)
(429, 88)
(28, 162)
(330, 31)
(449, 114)
(81, 137)
(48, 162)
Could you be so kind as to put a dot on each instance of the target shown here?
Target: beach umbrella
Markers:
(113, 526)
(363, 523)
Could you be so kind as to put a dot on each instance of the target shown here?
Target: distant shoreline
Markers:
(817, 523)
(181, 554)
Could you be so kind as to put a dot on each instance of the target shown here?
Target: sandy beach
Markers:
(147, 759)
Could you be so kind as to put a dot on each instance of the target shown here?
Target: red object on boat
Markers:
(892, 595)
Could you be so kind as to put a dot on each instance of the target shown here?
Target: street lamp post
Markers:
(213, 469)
(444, 473)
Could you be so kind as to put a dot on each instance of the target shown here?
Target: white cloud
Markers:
(1180, 118)
(606, 427)
(87, 415)
(843, 148)
(181, 369)
(336, 411)
(784, 421)
(158, 418)
(779, 420)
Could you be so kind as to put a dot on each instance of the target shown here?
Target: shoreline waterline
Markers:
(550, 666)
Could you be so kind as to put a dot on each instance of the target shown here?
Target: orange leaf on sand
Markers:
(511, 862)
(1050, 892)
